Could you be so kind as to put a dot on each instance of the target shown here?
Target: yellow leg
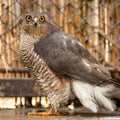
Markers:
(46, 113)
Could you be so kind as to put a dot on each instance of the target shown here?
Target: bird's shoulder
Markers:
(60, 41)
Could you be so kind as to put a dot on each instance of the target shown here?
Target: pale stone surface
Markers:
(20, 114)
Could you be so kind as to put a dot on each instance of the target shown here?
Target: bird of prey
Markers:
(63, 67)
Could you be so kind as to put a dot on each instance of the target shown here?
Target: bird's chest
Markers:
(35, 64)
(26, 50)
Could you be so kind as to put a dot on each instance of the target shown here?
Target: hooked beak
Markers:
(35, 21)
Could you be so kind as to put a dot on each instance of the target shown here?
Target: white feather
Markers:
(93, 96)
(87, 64)
(64, 43)
(80, 44)
(101, 94)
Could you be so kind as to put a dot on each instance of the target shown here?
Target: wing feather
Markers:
(66, 57)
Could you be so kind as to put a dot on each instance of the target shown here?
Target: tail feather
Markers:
(94, 96)
(115, 92)
(102, 95)
(85, 94)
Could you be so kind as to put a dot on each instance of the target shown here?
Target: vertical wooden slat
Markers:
(96, 20)
(101, 27)
(107, 23)
(68, 24)
(59, 12)
(117, 29)
(115, 34)
(77, 21)
(90, 19)
(0, 34)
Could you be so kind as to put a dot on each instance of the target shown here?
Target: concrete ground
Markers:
(21, 114)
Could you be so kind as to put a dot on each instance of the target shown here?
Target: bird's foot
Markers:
(51, 112)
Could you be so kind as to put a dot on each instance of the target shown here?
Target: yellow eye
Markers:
(42, 18)
(28, 18)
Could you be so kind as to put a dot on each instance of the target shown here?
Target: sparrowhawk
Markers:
(62, 67)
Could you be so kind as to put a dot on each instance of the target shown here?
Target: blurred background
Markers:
(95, 23)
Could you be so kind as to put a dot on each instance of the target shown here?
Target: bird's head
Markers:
(35, 25)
